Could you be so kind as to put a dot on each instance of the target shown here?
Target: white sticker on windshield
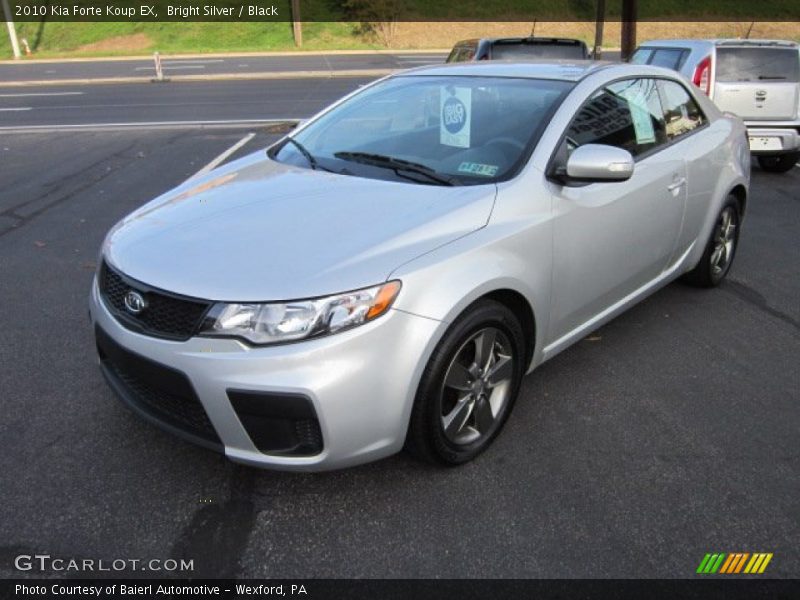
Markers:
(456, 110)
(478, 169)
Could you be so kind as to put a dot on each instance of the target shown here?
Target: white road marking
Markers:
(192, 62)
(181, 64)
(41, 94)
(15, 109)
(219, 159)
(170, 67)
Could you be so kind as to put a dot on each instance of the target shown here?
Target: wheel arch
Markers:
(521, 307)
(740, 193)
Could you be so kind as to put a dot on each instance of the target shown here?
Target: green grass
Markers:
(67, 39)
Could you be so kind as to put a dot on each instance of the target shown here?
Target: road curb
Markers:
(347, 73)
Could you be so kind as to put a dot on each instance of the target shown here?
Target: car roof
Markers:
(720, 42)
(565, 70)
(522, 40)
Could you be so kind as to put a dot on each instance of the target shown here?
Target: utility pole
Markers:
(297, 25)
(12, 32)
(629, 14)
(598, 29)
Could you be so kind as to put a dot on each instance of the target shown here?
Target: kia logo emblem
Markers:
(135, 302)
(761, 93)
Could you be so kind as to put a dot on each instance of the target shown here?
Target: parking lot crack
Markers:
(26, 211)
(754, 298)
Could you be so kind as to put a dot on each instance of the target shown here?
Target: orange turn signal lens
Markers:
(383, 299)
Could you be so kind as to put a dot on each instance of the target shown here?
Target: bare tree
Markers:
(378, 18)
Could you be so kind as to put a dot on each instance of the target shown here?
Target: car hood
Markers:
(258, 230)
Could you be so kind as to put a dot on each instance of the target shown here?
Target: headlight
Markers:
(287, 321)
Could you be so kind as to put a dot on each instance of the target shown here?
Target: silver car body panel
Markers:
(233, 210)
(578, 256)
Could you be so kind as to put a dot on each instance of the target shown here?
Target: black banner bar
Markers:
(394, 10)
(705, 588)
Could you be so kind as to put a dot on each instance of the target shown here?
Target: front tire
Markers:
(469, 386)
(779, 163)
(720, 249)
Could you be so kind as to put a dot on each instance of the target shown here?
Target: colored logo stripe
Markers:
(734, 563)
(710, 563)
(758, 563)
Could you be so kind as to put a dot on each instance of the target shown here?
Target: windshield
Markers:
(758, 64)
(430, 130)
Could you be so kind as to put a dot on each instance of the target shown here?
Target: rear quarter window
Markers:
(758, 64)
(681, 113)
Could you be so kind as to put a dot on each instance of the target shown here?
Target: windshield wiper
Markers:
(398, 165)
(771, 77)
(312, 162)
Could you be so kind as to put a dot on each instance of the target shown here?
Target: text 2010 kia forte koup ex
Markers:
(386, 275)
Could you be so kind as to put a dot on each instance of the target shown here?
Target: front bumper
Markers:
(779, 140)
(360, 384)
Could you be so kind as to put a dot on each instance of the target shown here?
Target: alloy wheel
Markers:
(724, 242)
(477, 386)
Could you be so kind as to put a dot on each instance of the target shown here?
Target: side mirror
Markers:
(598, 162)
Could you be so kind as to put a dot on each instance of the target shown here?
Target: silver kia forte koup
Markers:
(385, 276)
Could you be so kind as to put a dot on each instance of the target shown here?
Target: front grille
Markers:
(160, 393)
(166, 315)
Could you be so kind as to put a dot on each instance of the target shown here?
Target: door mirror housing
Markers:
(598, 162)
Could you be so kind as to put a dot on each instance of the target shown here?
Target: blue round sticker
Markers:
(454, 115)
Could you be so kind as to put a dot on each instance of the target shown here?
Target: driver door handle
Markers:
(676, 184)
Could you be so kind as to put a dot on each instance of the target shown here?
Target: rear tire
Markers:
(779, 163)
(469, 386)
(720, 249)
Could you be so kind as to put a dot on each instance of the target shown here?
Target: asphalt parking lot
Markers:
(671, 432)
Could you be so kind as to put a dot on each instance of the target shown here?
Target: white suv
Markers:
(758, 80)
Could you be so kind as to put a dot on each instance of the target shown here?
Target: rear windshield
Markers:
(523, 50)
(758, 64)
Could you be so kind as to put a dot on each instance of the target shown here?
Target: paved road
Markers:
(671, 432)
(137, 103)
(168, 102)
(238, 65)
